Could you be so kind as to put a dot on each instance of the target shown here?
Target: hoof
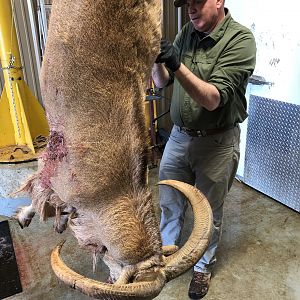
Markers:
(60, 228)
(24, 216)
(61, 224)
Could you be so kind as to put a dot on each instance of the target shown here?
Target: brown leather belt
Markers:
(205, 132)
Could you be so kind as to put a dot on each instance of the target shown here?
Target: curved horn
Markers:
(198, 241)
(99, 290)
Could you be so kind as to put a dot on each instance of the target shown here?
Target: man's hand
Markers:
(168, 55)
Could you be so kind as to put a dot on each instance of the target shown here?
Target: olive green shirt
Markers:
(224, 58)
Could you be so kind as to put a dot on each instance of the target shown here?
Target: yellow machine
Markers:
(23, 124)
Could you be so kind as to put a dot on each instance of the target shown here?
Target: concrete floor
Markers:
(258, 257)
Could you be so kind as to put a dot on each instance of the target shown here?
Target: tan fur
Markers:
(98, 57)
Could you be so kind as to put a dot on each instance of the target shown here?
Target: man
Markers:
(210, 63)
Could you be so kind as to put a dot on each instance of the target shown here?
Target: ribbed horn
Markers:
(191, 252)
(99, 290)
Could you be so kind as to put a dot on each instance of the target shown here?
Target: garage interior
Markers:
(259, 252)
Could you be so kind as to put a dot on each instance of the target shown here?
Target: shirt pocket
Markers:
(203, 66)
(187, 59)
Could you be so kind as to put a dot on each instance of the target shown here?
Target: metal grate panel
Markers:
(272, 160)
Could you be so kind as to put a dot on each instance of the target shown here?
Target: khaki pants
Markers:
(208, 162)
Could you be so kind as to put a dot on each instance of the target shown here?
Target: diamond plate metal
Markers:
(272, 159)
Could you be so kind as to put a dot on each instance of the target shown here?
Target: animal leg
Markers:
(24, 215)
(63, 215)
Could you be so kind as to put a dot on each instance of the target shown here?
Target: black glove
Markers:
(168, 55)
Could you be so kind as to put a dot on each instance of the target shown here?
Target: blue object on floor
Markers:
(8, 206)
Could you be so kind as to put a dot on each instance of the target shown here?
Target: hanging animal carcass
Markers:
(92, 175)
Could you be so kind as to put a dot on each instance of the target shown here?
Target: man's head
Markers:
(204, 14)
